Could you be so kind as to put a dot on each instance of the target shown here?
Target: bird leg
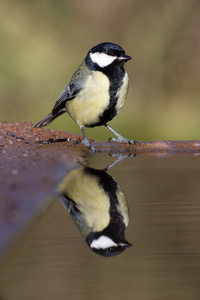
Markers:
(85, 140)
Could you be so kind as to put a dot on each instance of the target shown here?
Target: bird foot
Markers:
(121, 139)
(87, 143)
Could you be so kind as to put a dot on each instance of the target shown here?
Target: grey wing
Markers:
(68, 94)
(75, 213)
(72, 89)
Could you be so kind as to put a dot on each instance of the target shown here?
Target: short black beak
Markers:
(125, 57)
(127, 244)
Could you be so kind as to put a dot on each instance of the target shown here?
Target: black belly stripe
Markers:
(110, 112)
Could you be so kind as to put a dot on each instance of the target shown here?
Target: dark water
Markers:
(52, 260)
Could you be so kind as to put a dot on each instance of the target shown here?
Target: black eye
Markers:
(111, 249)
(110, 52)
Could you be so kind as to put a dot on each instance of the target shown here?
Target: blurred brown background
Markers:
(43, 42)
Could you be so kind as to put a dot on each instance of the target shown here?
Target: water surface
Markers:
(52, 261)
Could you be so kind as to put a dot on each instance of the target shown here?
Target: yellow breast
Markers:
(86, 107)
(89, 197)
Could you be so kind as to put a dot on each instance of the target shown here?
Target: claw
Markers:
(87, 143)
(122, 140)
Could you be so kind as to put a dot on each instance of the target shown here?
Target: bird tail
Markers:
(48, 119)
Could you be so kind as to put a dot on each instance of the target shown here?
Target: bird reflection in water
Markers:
(98, 207)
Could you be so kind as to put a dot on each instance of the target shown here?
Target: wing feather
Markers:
(72, 89)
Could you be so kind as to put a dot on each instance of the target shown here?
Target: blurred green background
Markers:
(44, 41)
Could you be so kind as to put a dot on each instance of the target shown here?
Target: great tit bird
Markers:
(98, 208)
(96, 92)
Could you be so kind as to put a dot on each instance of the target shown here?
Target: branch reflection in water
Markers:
(98, 208)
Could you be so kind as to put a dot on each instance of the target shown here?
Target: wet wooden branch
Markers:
(155, 148)
(23, 133)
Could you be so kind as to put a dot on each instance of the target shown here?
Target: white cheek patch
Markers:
(103, 242)
(102, 59)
